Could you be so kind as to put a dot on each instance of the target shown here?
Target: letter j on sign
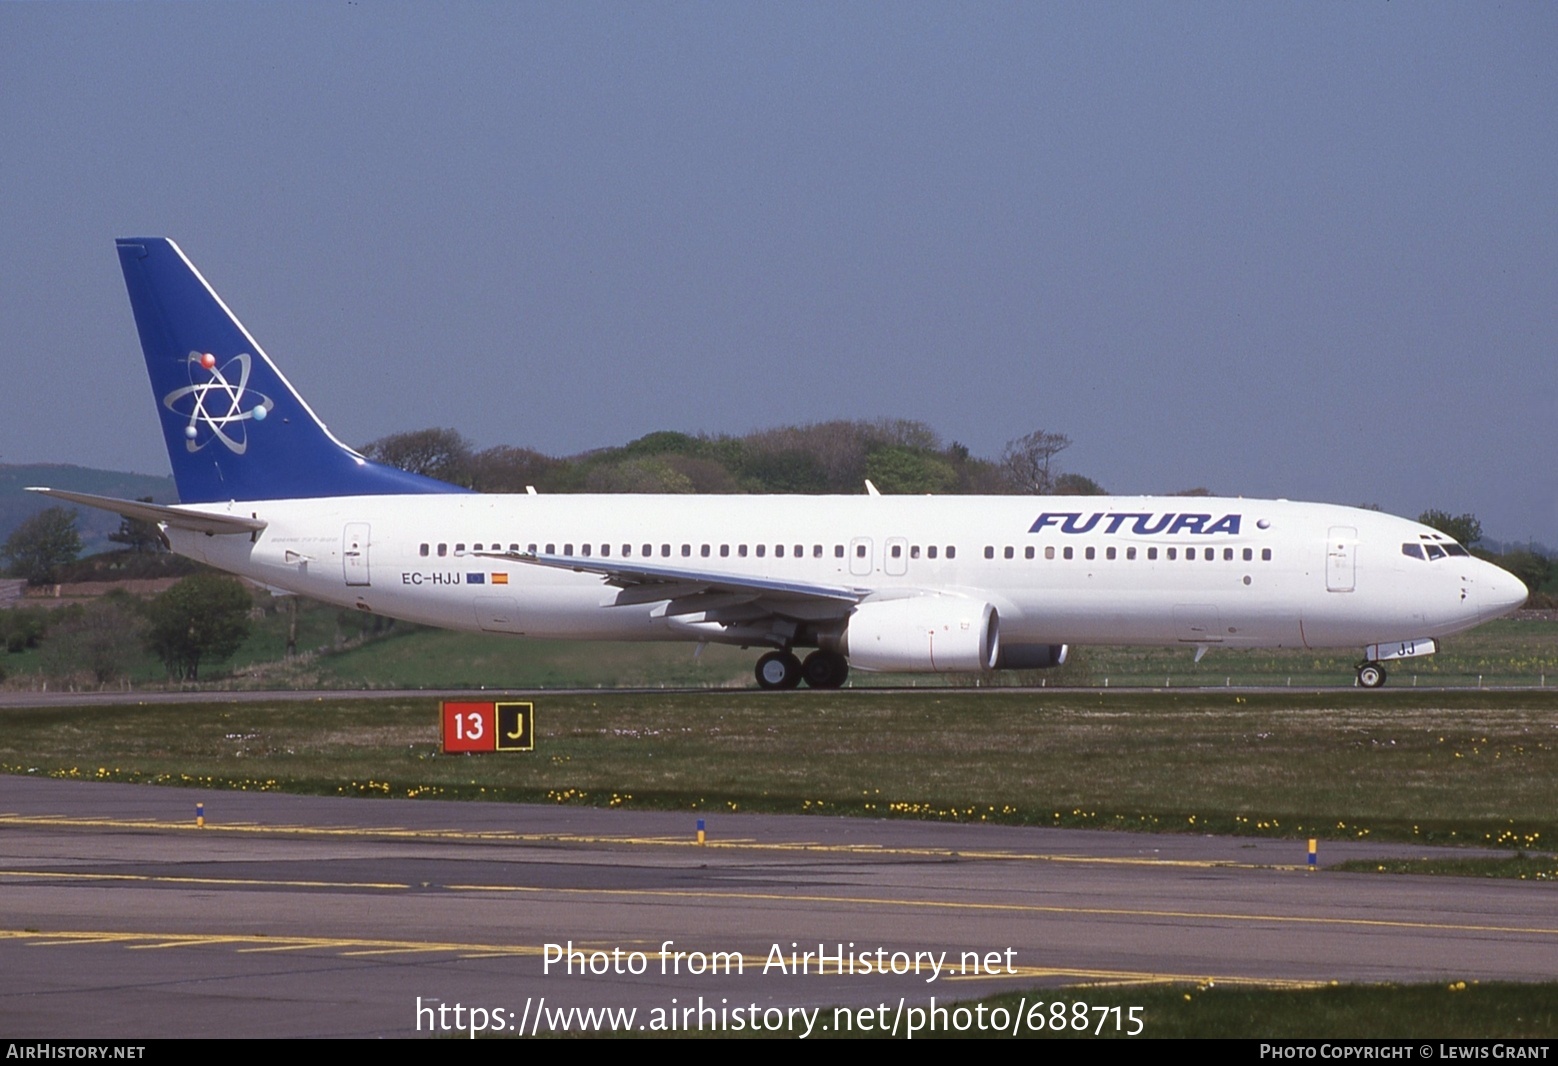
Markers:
(471, 726)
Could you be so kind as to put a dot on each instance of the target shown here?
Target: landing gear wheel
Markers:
(778, 669)
(1371, 675)
(825, 669)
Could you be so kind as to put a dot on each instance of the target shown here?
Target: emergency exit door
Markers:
(354, 553)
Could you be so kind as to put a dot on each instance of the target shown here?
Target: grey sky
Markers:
(1301, 250)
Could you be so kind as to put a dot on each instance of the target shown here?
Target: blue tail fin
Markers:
(235, 428)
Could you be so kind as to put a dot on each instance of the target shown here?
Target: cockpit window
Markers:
(1414, 550)
(1434, 551)
(1456, 549)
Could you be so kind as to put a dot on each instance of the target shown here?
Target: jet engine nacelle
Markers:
(923, 634)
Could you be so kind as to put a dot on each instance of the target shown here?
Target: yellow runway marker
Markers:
(883, 902)
(875, 851)
(751, 964)
(169, 879)
(1017, 908)
(255, 944)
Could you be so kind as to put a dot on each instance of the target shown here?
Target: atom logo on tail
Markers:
(216, 404)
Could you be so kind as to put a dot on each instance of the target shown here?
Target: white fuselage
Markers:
(1073, 569)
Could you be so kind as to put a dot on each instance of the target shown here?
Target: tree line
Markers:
(896, 455)
(200, 619)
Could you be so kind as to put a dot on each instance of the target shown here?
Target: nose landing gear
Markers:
(1371, 675)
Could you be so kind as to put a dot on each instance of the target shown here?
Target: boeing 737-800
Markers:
(887, 583)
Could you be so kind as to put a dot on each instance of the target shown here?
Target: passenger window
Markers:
(649, 550)
(914, 551)
(1248, 554)
(1227, 555)
(443, 550)
(816, 551)
(627, 550)
(1027, 553)
(551, 549)
(1108, 553)
(567, 549)
(800, 551)
(1152, 554)
(952, 551)
(686, 551)
(897, 551)
(724, 551)
(838, 551)
(1190, 553)
(1130, 553)
(459, 549)
(1172, 553)
(1049, 551)
(762, 549)
(778, 551)
(423, 551)
(1009, 553)
(1265, 555)
(989, 552)
(531, 548)
(1089, 552)
(860, 551)
(584, 550)
(1066, 552)
(665, 551)
(930, 552)
(514, 548)
(605, 550)
(704, 551)
(741, 551)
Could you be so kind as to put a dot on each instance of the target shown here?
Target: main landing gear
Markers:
(782, 670)
(1371, 675)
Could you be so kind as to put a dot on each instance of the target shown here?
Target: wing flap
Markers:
(641, 579)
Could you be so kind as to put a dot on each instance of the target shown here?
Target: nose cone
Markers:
(1501, 592)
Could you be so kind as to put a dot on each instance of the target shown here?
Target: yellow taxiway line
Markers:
(483, 836)
(351, 947)
(650, 895)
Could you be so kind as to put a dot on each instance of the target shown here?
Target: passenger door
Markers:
(1341, 559)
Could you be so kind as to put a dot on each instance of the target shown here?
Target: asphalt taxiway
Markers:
(304, 916)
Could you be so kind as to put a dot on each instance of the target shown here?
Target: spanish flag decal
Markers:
(500, 579)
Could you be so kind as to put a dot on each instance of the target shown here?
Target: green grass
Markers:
(428, 658)
(345, 649)
(1505, 652)
(1460, 767)
(1454, 1010)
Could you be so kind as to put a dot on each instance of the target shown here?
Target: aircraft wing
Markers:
(178, 518)
(691, 589)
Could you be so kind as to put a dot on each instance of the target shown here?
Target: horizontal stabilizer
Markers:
(177, 517)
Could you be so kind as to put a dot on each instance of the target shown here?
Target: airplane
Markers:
(913, 584)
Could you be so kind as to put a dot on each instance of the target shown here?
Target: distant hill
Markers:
(18, 505)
